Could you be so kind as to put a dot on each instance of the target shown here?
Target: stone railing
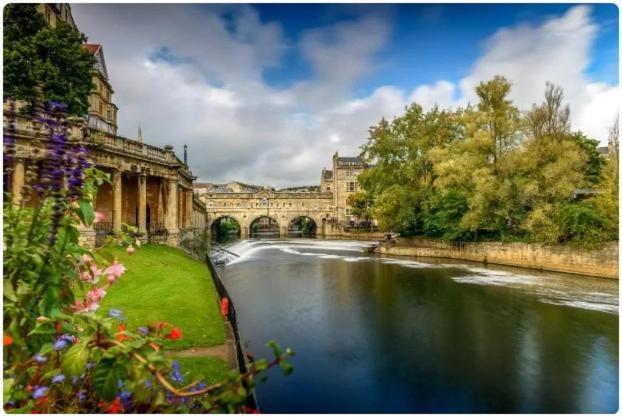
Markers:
(119, 143)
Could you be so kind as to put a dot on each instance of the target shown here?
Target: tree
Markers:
(361, 204)
(500, 117)
(53, 58)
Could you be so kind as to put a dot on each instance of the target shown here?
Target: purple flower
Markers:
(175, 373)
(39, 358)
(144, 330)
(81, 395)
(63, 341)
(60, 344)
(58, 379)
(39, 392)
(126, 398)
(148, 383)
(116, 313)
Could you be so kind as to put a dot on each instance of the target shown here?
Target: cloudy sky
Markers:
(266, 94)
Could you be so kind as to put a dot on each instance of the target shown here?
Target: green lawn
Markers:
(209, 370)
(164, 284)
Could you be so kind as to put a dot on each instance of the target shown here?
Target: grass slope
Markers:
(165, 284)
(208, 370)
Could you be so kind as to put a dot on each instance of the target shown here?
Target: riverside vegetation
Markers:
(491, 172)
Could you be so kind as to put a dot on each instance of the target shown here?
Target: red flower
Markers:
(175, 334)
(121, 337)
(115, 407)
(250, 410)
(8, 340)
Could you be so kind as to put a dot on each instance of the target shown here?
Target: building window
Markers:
(349, 173)
(109, 114)
(210, 204)
(328, 187)
(290, 204)
(264, 202)
(302, 205)
(351, 186)
(348, 211)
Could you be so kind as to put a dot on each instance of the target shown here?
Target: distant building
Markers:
(102, 111)
(345, 182)
(55, 12)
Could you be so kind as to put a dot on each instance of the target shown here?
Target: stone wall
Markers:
(599, 263)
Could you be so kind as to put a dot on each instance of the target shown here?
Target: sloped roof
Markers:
(349, 160)
(100, 63)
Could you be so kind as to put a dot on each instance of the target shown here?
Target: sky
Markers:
(267, 93)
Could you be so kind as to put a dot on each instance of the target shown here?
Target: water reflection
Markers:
(377, 334)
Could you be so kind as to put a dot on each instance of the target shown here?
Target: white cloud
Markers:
(557, 51)
(206, 89)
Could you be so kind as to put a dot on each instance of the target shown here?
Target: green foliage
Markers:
(489, 172)
(52, 58)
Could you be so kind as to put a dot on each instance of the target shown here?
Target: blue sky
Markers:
(432, 41)
(266, 93)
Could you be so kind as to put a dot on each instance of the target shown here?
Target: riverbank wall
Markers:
(599, 263)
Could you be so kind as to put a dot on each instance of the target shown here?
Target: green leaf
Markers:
(75, 359)
(287, 368)
(46, 348)
(275, 347)
(87, 214)
(105, 379)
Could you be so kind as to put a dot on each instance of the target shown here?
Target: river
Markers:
(386, 334)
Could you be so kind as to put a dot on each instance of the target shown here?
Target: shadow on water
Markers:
(380, 334)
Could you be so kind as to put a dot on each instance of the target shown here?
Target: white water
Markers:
(558, 289)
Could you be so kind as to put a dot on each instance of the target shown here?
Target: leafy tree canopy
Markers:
(52, 58)
(490, 171)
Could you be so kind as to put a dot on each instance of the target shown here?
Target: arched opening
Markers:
(264, 226)
(302, 226)
(225, 229)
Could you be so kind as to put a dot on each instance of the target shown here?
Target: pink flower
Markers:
(86, 276)
(95, 295)
(96, 272)
(99, 217)
(115, 269)
(111, 278)
(130, 250)
(82, 307)
(86, 258)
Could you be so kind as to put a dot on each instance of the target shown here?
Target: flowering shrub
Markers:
(60, 354)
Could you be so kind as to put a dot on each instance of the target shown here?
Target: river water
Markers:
(386, 334)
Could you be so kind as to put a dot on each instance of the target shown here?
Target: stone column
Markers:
(171, 213)
(180, 207)
(189, 211)
(17, 185)
(117, 196)
(283, 231)
(244, 232)
(142, 206)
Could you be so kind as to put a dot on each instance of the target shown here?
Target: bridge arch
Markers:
(225, 226)
(264, 226)
(303, 226)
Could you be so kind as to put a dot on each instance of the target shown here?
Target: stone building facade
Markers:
(151, 188)
(102, 111)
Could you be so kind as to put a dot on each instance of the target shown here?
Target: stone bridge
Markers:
(282, 207)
